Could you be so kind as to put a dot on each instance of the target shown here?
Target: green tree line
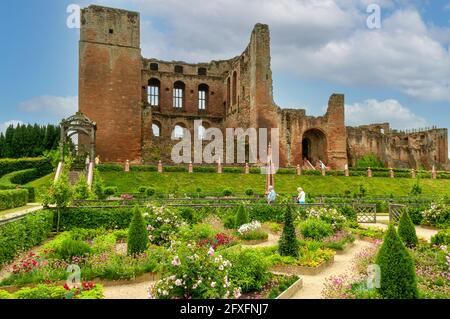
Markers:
(26, 140)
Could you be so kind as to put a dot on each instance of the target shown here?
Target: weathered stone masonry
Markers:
(137, 103)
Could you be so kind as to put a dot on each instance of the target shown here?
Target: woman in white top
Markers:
(301, 196)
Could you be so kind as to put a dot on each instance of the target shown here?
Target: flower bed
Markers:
(252, 233)
(280, 286)
(87, 290)
(94, 251)
(311, 260)
(432, 270)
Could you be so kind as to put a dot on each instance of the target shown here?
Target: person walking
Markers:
(271, 196)
(301, 196)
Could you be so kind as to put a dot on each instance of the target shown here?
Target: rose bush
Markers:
(194, 272)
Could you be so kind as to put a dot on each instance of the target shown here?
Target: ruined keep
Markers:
(139, 103)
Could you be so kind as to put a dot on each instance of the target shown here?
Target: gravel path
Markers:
(422, 232)
(313, 285)
(132, 291)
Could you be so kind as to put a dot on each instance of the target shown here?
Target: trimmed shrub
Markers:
(137, 234)
(249, 192)
(241, 216)
(42, 165)
(109, 168)
(110, 191)
(72, 248)
(441, 238)
(187, 214)
(227, 192)
(142, 189)
(250, 269)
(23, 234)
(407, 231)
(288, 244)
(150, 191)
(108, 218)
(316, 229)
(415, 213)
(13, 198)
(348, 212)
(398, 276)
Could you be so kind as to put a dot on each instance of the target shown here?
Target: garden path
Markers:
(132, 291)
(313, 285)
(422, 232)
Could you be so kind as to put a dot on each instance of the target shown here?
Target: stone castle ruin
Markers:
(139, 103)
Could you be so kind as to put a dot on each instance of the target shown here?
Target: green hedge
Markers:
(15, 179)
(108, 218)
(41, 164)
(13, 198)
(21, 235)
(110, 168)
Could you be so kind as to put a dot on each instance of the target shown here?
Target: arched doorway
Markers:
(314, 146)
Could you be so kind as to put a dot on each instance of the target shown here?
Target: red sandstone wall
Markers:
(110, 81)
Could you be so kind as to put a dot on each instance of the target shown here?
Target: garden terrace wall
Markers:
(22, 234)
(376, 172)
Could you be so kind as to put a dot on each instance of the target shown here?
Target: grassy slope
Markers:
(208, 182)
(41, 185)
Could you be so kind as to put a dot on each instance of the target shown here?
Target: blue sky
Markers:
(399, 73)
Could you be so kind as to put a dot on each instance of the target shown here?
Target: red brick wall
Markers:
(110, 81)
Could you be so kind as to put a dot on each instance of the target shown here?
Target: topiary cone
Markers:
(407, 231)
(398, 275)
(288, 244)
(137, 234)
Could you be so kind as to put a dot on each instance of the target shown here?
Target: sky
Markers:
(398, 73)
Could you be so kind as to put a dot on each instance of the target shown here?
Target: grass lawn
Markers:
(41, 185)
(181, 182)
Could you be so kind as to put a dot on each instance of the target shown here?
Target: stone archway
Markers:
(78, 124)
(314, 146)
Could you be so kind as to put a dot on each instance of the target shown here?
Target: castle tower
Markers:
(110, 80)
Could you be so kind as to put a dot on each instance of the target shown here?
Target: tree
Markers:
(82, 188)
(407, 231)
(137, 234)
(398, 275)
(288, 244)
(242, 216)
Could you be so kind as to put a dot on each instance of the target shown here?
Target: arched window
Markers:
(156, 130)
(178, 95)
(234, 88)
(202, 96)
(178, 131)
(153, 92)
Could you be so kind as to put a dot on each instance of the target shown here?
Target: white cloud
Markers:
(51, 106)
(388, 111)
(5, 125)
(318, 39)
(447, 7)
